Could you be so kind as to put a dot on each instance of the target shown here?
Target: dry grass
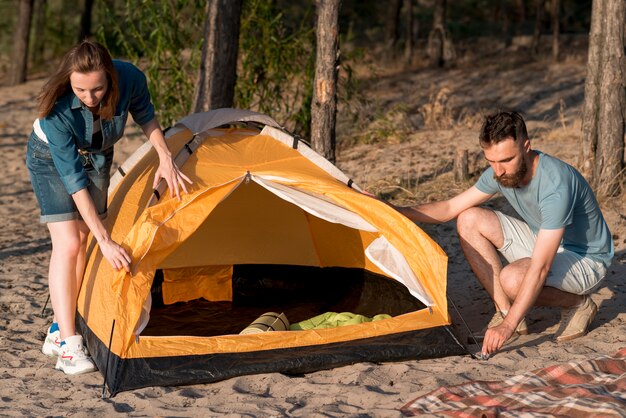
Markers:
(388, 127)
(411, 191)
(404, 128)
(437, 113)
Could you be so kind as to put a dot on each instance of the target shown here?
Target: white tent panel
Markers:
(315, 205)
(387, 258)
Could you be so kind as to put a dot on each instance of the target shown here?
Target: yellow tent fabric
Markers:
(230, 217)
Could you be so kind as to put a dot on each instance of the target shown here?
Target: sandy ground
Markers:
(412, 166)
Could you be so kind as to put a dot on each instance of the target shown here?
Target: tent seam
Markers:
(178, 210)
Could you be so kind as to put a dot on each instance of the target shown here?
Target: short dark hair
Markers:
(500, 126)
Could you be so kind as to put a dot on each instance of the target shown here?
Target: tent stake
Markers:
(106, 368)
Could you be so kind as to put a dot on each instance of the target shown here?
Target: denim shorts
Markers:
(570, 272)
(55, 203)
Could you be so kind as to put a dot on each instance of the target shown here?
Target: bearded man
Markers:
(558, 252)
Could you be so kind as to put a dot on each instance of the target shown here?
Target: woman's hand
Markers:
(115, 254)
(167, 170)
(112, 251)
(174, 178)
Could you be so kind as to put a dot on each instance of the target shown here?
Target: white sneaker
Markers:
(72, 358)
(52, 343)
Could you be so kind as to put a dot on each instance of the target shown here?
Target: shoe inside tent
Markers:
(268, 225)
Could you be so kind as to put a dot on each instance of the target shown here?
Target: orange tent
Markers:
(268, 225)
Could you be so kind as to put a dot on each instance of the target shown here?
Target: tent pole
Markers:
(106, 368)
(466, 327)
(45, 305)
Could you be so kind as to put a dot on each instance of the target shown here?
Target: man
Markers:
(556, 257)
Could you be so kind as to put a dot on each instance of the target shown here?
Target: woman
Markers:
(83, 109)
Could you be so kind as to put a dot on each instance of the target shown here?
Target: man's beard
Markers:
(513, 180)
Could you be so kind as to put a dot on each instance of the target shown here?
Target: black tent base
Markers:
(129, 374)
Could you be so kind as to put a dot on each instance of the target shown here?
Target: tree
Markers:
(38, 42)
(534, 48)
(512, 17)
(604, 111)
(19, 57)
(502, 13)
(324, 103)
(520, 12)
(410, 29)
(85, 21)
(556, 28)
(440, 48)
(218, 67)
(392, 28)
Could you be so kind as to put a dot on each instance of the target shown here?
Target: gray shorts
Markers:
(570, 271)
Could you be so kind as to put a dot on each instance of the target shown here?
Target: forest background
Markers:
(276, 43)
(261, 55)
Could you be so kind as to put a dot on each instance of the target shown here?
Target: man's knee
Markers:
(510, 281)
(471, 220)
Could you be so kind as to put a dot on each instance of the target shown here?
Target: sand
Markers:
(410, 169)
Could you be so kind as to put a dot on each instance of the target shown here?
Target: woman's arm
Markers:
(167, 168)
(115, 254)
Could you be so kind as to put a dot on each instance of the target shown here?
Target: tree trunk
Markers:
(534, 48)
(507, 26)
(556, 28)
(604, 112)
(408, 44)
(85, 21)
(37, 57)
(440, 48)
(391, 28)
(19, 57)
(324, 103)
(520, 18)
(520, 12)
(218, 69)
(461, 166)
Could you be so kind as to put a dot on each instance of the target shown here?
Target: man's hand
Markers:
(496, 337)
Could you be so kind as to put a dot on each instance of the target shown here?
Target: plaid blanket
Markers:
(588, 388)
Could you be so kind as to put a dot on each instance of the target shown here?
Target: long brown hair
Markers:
(86, 57)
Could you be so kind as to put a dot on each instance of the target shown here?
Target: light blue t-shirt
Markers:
(558, 196)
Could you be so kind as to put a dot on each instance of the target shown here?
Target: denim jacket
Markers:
(69, 126)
